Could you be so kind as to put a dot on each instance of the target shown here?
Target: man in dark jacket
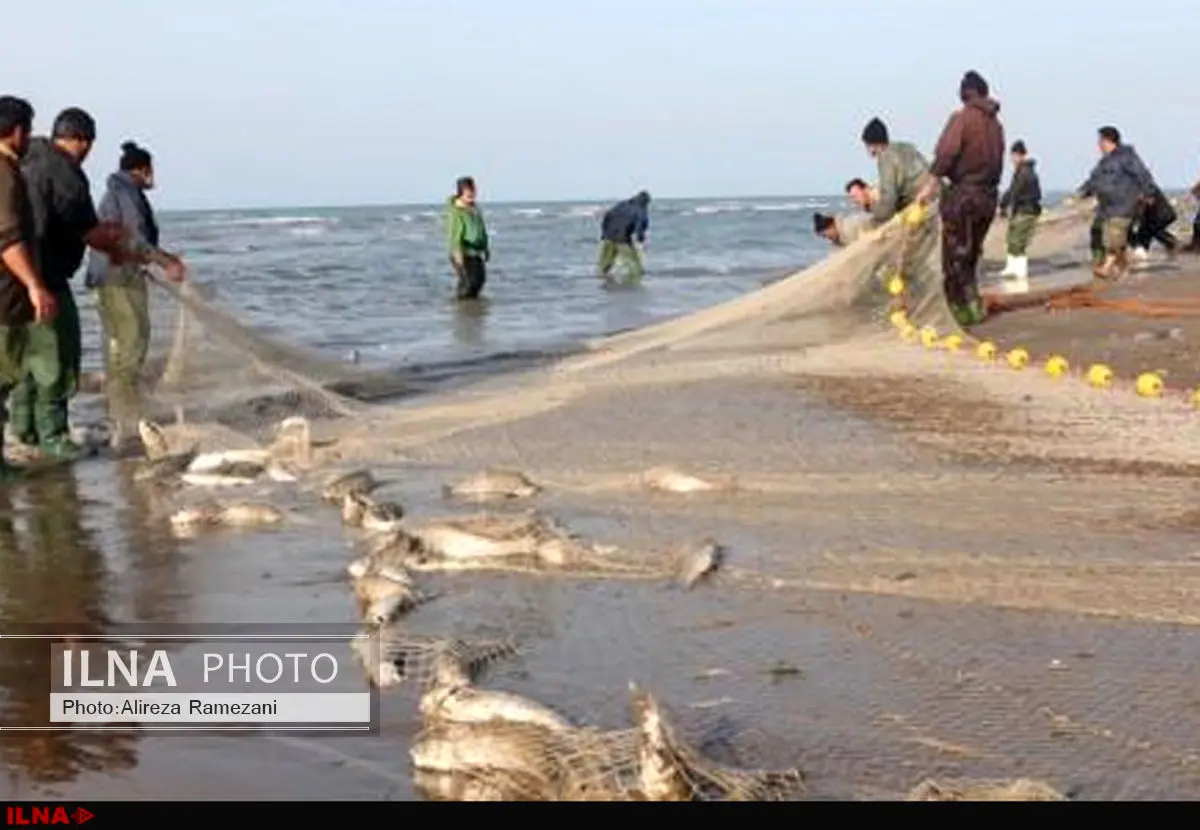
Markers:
(65, 225)
(1153, 223)
(23, 295)
(623, 225)
(970, 155)
(1022, 204)
(1121, 184)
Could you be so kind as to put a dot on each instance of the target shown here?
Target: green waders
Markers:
(610, 251)
(124, 306)
(12, 354)
(1021, 227)
(38, 406)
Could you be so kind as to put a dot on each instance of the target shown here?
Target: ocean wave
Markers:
(264, 221)
(527, 212)
(720, 207)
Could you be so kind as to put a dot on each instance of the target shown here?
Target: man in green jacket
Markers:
(902, 171)
(469, 250)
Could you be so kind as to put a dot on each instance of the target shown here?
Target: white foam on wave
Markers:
(720, 207)
(528, 211)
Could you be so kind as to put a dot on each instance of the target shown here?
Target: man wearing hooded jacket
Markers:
(970, 157)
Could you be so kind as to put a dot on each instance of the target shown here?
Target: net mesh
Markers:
(231, 383)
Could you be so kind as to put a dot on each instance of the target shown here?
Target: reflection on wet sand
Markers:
(52, 575)
(469, 319)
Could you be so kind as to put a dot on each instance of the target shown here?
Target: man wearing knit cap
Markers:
(902, 170)
(970, 157)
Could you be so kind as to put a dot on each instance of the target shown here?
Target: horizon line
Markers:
(558, 201)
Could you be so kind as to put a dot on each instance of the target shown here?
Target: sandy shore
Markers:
(1130, 344)
(972, 571)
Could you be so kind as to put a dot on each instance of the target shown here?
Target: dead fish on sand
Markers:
(391, 656)
(360, 510)
(493, 485)
(669, 480)
(384, 599)
(671, 770)
(359, 482)
(217, 514)
(453, 698)
(484, 536)
(293, 440)
(697, 562)
(1022, 789)
(389, 557)
(154, 439)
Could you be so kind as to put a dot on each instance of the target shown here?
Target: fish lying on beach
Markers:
(217, 514)
(154, 439)
(359, 482)
(493, 485)
(361, 511)
(391, 656)
(163, 467)
(390, 557)
(452, 698)
(673, 481)
(699, 561)
(483, 536)
(293, 440)
(671, 770)
(384, 599)
(1021, 789)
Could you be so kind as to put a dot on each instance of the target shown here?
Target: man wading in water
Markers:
(970, 155)
(469, 250)
(622, 225)
(122, 295)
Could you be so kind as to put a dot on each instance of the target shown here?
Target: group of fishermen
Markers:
(48, 224)
(622, 237)
(1131, 210)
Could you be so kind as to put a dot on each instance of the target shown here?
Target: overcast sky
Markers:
(303, 103)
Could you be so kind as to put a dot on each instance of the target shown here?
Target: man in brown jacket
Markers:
(970, 155)
(24, 298)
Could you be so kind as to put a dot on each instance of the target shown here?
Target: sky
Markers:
(273, 103)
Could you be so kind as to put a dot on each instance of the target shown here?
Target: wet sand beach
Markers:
(936, 568)
(1128, 343)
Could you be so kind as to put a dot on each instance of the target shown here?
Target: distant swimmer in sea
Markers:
(970, 157)
(1121, 184)
(623, 234)
(468, 238)
(122, 294)
(1022, 204)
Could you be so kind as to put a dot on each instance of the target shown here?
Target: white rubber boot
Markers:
(1019, 278)
(1008, 267)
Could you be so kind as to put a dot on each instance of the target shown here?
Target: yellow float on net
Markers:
(1100, 376)
(1057, 366)
(895, 285)
(1150, 385)
(986, 350)
(929, 337)
(909, 332)
(1018, 358)
(898, 318)
(952, 343)
(1196, 398)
